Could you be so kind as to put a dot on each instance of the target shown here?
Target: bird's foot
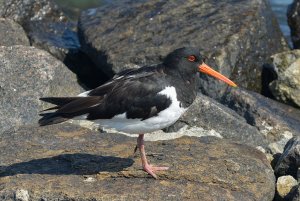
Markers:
(152, 169)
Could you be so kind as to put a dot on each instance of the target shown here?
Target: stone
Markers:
(27, 74)
(129, 34)
(285, 184)
(22, 195)
(60, 39)
(293, 15)
(12, 33)
(68, 162)
(289, 161)
(286, 88)
(30, 10)
(276, 121)
(210, 115)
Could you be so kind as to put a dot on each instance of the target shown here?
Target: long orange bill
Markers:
(203, 68)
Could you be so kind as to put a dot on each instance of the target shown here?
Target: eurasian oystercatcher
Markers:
(138, 101)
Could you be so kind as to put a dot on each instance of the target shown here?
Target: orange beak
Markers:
(203, 68)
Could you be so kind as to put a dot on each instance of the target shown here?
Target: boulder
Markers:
(286, 88)
(67, 162)
(285, 185)
(130, 34)
(30, 10)
(293, 15)
(276, 121)
(289, 161)
(211, 115)
(12, 33)
(27, 74)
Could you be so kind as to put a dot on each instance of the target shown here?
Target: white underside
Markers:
(164, 118)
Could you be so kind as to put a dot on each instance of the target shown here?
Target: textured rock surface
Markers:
(12, 33)
(289, 161)
(286, 88)
(274, 120)
(25, 11)
(213, 116)
(293, 15)
(131, 34)
(285, 184)
(71, 163)
(27, 74)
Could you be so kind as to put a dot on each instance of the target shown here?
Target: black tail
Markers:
(54, 117)
(67, 108)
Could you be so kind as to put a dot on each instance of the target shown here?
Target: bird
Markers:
(138, 101)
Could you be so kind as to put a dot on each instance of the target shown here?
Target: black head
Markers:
(187, 61)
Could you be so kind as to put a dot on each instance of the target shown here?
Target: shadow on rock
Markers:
(67, 164)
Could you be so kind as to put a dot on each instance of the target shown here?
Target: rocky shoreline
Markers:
(239, 144)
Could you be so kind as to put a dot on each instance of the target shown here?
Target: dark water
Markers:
(73, 8)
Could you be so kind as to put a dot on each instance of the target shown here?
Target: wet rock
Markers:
(60, 39)
(293, 15)
(274, 120)
(284, 185)
(210, 115)
(27, 74)
(12, 33)
(55, 162)
(286, 88)
(30, 10)
(289, 161)
(129, 34)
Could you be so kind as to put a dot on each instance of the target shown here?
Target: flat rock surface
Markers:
(237, 36)
(12, 33)
(72, 163)
(27, 74)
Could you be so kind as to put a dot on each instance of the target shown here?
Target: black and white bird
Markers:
(138, 101)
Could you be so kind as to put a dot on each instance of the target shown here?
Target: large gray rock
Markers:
(286, 88)
(289, 161)
(274, 120)
(12, 33)
(210, 115)
(66, 162)
(237, 36)
(293, 16)
(30, 10)
(26, 74)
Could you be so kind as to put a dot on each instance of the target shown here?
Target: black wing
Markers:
(134, 92)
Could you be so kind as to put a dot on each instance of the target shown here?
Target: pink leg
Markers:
(146, 166)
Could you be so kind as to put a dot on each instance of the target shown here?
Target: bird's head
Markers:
(188, 61)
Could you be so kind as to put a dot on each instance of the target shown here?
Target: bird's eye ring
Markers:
(191, 58)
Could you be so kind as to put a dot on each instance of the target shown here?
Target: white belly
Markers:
(164, 118)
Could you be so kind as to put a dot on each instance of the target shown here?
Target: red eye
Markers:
(192, 58)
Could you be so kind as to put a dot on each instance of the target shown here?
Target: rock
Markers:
(12, 33)
(286, 88)
(274, 120)
(60, 39)
(67, 162)
(27, 74)
(30, 10)
(129, 34)
(293, 15)
(285, 184)
(210, 115)
(22, 195)
(289, 161)
(294, 195)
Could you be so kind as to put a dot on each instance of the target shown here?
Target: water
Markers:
(73, 8)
